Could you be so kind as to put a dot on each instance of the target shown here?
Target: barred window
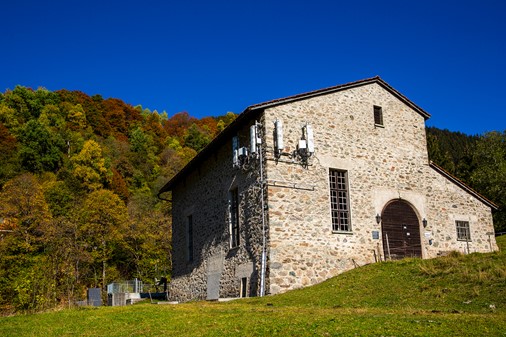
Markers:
(234, 218)
(339, 201)
(463, 232)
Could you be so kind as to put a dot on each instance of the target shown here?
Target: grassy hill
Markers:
(457, 295)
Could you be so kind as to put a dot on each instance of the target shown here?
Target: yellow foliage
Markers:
(89, 166)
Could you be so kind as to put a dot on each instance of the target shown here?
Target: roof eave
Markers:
(262, 106)
(219, 139)
(341, 87)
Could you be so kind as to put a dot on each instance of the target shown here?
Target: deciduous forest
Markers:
(79, 177)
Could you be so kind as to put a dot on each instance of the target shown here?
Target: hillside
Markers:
(457, 295)
(79, 179)
(78, 185)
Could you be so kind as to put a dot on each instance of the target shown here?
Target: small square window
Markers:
(378, 116)
(463, 231)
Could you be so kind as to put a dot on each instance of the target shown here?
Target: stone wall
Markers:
(447, 203)
(383, 163)
(217, 269)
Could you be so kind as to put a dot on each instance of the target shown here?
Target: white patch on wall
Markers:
(214, 271)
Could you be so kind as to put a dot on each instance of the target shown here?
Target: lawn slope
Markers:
(457, 295)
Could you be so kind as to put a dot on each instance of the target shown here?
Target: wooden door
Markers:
(400, 231)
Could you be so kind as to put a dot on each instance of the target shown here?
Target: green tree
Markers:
(489, 177)
(51, 117)
(60, 198)
(40, 150)
(9, 118)
(196, 138)
(149, 237)
(437, 155)
(141, 142)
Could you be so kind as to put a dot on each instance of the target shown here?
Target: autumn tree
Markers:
(22, 203)
(177, 125)
(90, 167)
(23, 280)
(224, 121)
(75, 116)
(148, 237)
(103, 222)
(88, 157)
(8, 155)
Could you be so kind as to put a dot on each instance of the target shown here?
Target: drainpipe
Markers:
(262, 203)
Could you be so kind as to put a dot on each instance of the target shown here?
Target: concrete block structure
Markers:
(300, 189)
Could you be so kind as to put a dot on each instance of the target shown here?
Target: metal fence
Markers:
(131, 286)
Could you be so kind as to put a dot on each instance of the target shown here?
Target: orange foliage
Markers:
(152, 124)
(7, 141)
(119, 186)
(208, 124)
(177, 125)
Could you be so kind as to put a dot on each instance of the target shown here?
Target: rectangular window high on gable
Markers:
(339, 201)
(234, 218)
(378, 116)
(463, 230)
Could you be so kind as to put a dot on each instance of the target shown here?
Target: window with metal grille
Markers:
(463, 232)
(339, 201)
(234, 218)
(378, 116)
(189, 238)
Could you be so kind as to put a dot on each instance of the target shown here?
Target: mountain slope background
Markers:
(79, 179)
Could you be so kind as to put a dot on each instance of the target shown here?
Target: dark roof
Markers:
(252, 110)
(336, 88)
(462, 185)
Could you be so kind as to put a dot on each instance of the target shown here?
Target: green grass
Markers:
(457, 295)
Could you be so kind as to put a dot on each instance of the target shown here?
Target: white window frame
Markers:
(463, 230)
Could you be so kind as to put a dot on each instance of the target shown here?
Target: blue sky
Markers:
(210, 57)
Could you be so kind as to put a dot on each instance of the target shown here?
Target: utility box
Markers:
(94, 297)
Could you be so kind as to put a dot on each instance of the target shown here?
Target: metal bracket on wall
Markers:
(285, 184)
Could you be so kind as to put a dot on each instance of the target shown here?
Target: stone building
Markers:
(300, 189)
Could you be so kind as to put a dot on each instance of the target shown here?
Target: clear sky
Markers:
(210, 57)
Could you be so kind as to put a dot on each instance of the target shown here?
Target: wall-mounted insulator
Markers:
(302, 145)
(253, 139)
(278, 125)
(235, 151)
(243, 152)
(309, 138)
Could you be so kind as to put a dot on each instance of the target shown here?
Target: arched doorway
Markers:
(400, 231)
